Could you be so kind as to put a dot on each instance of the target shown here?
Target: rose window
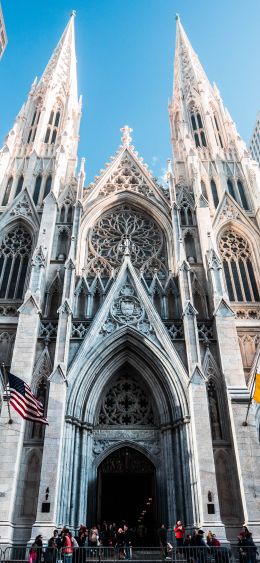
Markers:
(126, 403)
(122, 226)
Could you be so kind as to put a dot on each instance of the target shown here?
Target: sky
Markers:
(125, 53)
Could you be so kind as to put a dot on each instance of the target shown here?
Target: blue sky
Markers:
(125, 55)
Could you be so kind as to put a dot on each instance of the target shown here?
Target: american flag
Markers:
(23, 400)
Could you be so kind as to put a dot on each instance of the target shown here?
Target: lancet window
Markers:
(217, 131)
(47, 188)
(231, 189)
(37, 189)
(53, 126)
(242, 194)
(198, 128)
(7, 190)
(238, 267)
(15, 251)
(19, 185)
(63, 243)
(204, 190)
(190, 248)
(214, 193)
(186, 213)
(34, 125)
(66, 212)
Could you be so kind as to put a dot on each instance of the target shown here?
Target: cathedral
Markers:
(132, 311)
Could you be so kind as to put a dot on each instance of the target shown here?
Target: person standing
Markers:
(127, 542)
(162, 534)
(67, 548)
(179, 531)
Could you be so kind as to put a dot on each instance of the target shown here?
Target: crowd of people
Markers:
(120, 538)
(190, 545)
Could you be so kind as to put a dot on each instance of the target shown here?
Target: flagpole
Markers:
(250, 400)
(7, 393)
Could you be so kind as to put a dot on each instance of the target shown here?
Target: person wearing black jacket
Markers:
(127, 541)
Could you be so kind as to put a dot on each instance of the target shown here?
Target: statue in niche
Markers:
(214, 413)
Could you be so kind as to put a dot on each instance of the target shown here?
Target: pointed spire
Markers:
(188, 71)
(61, 68)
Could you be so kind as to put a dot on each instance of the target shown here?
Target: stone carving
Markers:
(48, 329)
(248, 313)
(127, 309)
(15, 250)
(39, 259)
(233, 244)
(128, 176)
(229, 211)
(126, 403)
(205, 331)
(214, 412)
(23, 207)
(126, 135)
(175, 331)
(79, 329)
(9, 311)
(16, 242)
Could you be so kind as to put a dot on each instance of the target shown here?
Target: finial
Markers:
(177, 17)
(73, 14)
(126, 137)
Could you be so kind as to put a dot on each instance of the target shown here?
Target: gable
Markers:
(128, 173)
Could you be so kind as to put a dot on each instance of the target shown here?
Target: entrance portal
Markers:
(126, 491)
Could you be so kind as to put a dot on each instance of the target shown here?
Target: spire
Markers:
(188, 71)
(61, 68)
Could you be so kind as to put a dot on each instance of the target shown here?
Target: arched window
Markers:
(34, 125)
(47, 188)
(190, 248)
(217, 131)
(242, 195)
(198, 129)
(7, 190)
(53, 127)
(19, 185)
(231, 189)
(204, 190)
(15, 251)
(238, 268)
(214, 192)
(66, 212)
(37, 189)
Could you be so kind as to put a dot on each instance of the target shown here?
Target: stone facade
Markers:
(132, 311)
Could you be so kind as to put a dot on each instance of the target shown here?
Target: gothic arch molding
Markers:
(137, 202)
(146, 451)
(127, 345)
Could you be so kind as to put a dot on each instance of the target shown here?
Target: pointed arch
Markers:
(15, 251)
(7, 190)
(238, 264)
(19, 185)
(53, 297)
(37, 189)
(214, 193)
(47, 188)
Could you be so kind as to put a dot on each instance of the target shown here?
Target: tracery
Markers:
(109, 234)
(15, 250)
(126, 403)
(238, 267)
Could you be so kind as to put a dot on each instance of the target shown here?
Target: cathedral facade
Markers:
(132, 311)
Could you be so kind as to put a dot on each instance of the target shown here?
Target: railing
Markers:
(190, 554)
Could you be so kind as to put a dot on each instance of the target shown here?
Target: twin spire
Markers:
(61, 68)
(188, 71)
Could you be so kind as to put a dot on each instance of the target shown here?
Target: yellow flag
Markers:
(256, 395)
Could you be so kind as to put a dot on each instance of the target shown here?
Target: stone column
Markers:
(168, 473)
(246, 445)
(52, 456)
(12, 435)
(203, 455)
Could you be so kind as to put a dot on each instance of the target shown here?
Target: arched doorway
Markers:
(126, 492)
